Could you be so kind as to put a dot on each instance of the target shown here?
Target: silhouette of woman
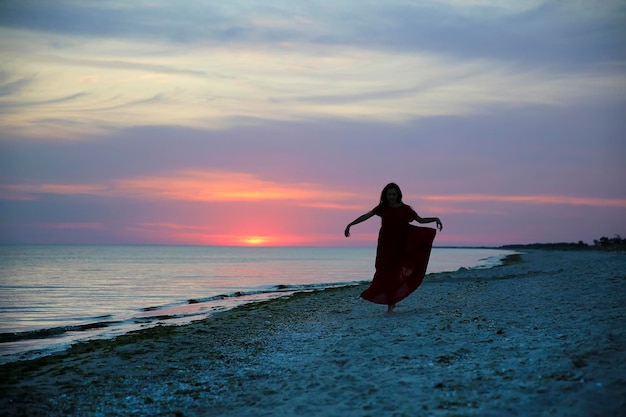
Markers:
(403, 249)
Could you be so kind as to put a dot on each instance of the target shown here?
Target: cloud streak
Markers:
(195, 186)
(349, 83)
(529, 199)
(81, 226)
(224, 186)
(453, 27)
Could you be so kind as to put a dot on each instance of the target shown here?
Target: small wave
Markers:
(169, 312)
(490, 261)
(274, 289)
(53, 331)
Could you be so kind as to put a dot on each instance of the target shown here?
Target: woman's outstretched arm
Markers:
(358, 220)
(430, 220)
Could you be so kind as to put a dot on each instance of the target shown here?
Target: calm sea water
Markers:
(52, 296)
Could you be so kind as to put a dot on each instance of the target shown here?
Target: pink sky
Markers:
(239, 123)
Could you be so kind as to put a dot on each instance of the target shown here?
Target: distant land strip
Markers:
(604, 243)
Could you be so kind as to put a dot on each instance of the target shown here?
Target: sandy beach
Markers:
(541, 336)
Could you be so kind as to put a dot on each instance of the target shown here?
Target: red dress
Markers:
(401, 257)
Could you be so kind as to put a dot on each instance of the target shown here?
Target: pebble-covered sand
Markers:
(545, 336)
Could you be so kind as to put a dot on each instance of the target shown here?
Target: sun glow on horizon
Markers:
(255, 240)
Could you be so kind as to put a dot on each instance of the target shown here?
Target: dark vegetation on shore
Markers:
(604, 243)
(512, 259)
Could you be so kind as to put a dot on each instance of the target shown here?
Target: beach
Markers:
(542, 335)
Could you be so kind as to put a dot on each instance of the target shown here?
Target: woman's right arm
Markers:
(358, 220)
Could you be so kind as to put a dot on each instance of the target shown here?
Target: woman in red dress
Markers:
(403, 249)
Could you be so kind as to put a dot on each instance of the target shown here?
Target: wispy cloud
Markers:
(26, 192)
(13, 106)
(74, 225)
(277, 84)
(332, 206)
(226, 186)
(432, 25)
(221, 186)
(190, 185)
(124, 65)
(529, 199)
(10, 87)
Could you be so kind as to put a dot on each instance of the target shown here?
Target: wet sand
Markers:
(542, 336)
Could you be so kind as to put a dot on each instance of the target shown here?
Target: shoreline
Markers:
(534, 337)
(31, 343)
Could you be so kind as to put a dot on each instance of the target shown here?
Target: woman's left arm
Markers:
(424, 220)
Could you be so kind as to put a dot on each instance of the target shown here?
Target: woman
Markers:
(403, 249)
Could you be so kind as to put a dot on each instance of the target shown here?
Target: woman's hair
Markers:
(383, 195)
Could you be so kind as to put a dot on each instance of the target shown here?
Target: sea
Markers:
(57, 295)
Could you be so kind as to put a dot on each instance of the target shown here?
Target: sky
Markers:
(242, 122)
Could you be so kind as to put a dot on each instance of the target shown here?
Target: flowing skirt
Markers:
(401, 263)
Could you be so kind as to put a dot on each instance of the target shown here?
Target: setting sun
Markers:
(255, 240)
